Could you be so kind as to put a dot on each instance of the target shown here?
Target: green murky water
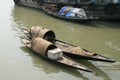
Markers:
(19, 63)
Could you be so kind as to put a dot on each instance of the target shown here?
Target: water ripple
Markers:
(113, 46)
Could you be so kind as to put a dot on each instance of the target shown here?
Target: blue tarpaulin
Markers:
(72, 12)
(61, 11)
(66, 11)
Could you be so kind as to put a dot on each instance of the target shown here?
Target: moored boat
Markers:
(68, 49)
(71, 13)
(50, 52)
(94, 9)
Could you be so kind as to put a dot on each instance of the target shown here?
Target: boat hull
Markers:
(64, 60)
(80, 53)
(94, 11)
(86, 54)
(51, 13)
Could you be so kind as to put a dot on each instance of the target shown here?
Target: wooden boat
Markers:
(95, 9)
(52, 10)
(64, 60)
(68, 49)
(81, 18)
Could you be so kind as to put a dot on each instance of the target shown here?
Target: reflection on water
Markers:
(49, 67)
(98, 36)
(98, 72)
(116, 47)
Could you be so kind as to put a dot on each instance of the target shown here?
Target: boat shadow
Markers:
(49, 67)
(104, 24)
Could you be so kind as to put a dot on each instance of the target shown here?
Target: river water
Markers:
(19, 63)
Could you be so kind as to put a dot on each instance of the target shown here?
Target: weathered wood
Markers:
(41, 46)
(63, 60)
(77, 52)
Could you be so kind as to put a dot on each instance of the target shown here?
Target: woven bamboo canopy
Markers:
(41, 46)
(44, 33)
